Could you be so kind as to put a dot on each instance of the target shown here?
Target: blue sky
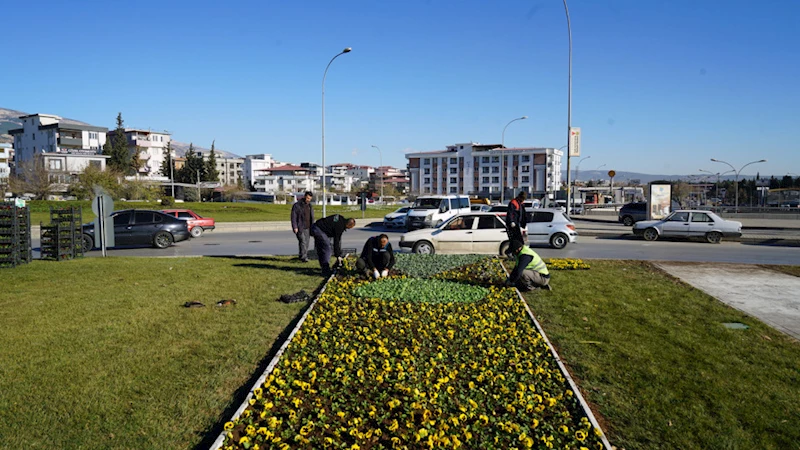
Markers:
(658, 86)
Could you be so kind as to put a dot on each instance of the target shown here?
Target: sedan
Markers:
(396, 219)
(689, 224)
(468, 233)
(141, 227)
(197, 223)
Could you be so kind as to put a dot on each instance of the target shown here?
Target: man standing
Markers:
(516, 217)
(377, 257)
(323, 230)
(530, 272)
(302, 219)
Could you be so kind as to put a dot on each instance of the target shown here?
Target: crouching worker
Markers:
(323, 230)
(530, 272)
(377, 257)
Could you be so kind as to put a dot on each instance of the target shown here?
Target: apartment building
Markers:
(6, 154)
(67, 147)
(230, 171)
(254, 165)
(476, 169)
(285, 178)
(150, 145)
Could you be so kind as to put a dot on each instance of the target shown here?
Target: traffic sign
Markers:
(611, 173)
(102, 207)
(574, 141)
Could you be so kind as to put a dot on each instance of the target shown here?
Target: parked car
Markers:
(141, 227)
(466, 233)
(631, 213)
(197, 224)
(689, 224)
(500, 210)
(551, 227)
(396, 219)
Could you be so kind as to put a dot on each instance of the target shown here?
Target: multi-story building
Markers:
(475, 169)
(287, 179)
(6, 151)
(389, 176)
(150, 145)
(67, 147)
(252, 166)
(230, 171)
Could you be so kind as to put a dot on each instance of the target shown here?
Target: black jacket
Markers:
(298, 216)
(516, 214)
(333, 227)
(373, 252)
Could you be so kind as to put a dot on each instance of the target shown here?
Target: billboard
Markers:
(659, 201)
(575, 141)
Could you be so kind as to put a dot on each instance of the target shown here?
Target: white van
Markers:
(432, 210)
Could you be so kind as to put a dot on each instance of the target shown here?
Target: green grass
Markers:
(789, 270)
(220, 211)
(653, 359)
(100, 353)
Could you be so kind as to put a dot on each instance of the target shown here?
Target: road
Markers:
(284, 243)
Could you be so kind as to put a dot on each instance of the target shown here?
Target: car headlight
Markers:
(429, 218)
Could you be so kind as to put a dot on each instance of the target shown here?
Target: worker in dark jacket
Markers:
(516, 217)
(323, 230)
(530, 272)
(302, 219)
(377, 257)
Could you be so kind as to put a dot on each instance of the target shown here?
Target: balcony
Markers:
(71, 141)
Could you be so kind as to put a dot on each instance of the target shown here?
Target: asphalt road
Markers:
(285, 243)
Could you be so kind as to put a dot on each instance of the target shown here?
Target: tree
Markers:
(120, 160)
(212, 174)
(83, 189)
(193, 169)
(168, 165)
(31, 178)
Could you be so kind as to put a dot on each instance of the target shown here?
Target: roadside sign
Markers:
(611, 174)
(574, 141)
(102, 207)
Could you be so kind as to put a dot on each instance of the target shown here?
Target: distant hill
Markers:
(9, 119)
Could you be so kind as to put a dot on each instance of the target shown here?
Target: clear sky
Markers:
(658, 86)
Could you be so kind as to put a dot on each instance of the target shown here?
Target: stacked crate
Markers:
(15, 235)
(62, 239)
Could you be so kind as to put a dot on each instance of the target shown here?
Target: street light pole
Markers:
(502, 159)
(716, 187)
(380, 155)
(569, 103)
(736, 206)
(577, 168)
(325, 74)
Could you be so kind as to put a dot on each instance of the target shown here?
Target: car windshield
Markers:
(402, 210)
(427, 203)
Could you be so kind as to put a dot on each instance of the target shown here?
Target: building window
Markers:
(453, 180)
(526, 168)
(526, 158)
(485, 169)
(485, 159)
(34, 136)
(453, 190)
(427, 180)
(453, 160)
(54, 164)
(454, 170)
(495, 159)
(495, 170)
(495, 179)
(485, 179)
(426, 161)
(526, 179)
(427, 171)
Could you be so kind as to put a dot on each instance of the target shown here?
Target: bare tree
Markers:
(31, 178)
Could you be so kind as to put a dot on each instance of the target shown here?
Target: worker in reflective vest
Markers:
(530, 271)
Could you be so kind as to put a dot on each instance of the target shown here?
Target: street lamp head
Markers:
(714, 160)
(347, 50)
(763, 160)
(524, 117)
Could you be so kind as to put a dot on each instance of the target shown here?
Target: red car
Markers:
(197, 224)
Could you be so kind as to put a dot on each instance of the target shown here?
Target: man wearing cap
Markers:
(302, 219)
(516, 217)
(530, 272)
(323, 230)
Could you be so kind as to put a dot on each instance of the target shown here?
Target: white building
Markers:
(6, 152)
(68, 147)
(230, 171)
(284, 179)
(150, 146)
(252, 166)
(475, 169)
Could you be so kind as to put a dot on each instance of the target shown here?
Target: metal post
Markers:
(172, 175)
(736, 185)
(569, 103)
(198, 186)
(325, 74)
(380, 155)
(502, 159)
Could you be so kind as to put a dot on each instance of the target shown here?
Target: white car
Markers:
(550, 226)
(689, 223)
(475, 232)
(396, 219)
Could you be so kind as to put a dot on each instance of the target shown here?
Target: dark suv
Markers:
(632, 213)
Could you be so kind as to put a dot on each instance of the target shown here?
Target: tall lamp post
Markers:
(502, 162)
(716, 187)
(736, 186)
(380, 155)
(325, 74)
(577, 169)
(569, 103)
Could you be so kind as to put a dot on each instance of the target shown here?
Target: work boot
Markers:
(547, 287)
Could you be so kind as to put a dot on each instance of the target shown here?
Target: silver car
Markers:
(689, 223)
(396, 219)
(551, 226)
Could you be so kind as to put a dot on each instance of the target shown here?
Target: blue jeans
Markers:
(322, 244)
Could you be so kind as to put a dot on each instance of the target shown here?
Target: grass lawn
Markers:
(789, 270)
(100, 353)
(655, 362)
(220, 211)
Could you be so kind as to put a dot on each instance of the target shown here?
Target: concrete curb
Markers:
(751, 239)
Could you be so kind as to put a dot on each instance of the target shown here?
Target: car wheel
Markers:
(162, 239)
(197, 232)
(87, 242)
(714, 237)
(627, 221)
(559, 241)
(424, 248)
(504, 248)
(650, 234)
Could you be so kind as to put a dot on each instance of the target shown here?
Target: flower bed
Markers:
(566, 264)
(369, 372)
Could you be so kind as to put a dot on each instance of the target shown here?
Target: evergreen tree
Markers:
(193, 169)
(120, 160)
(168, 165)
(212, 174)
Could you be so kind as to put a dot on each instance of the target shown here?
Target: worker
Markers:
(323, 230)
(516, 217)
(530, 272)
(377, 257)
